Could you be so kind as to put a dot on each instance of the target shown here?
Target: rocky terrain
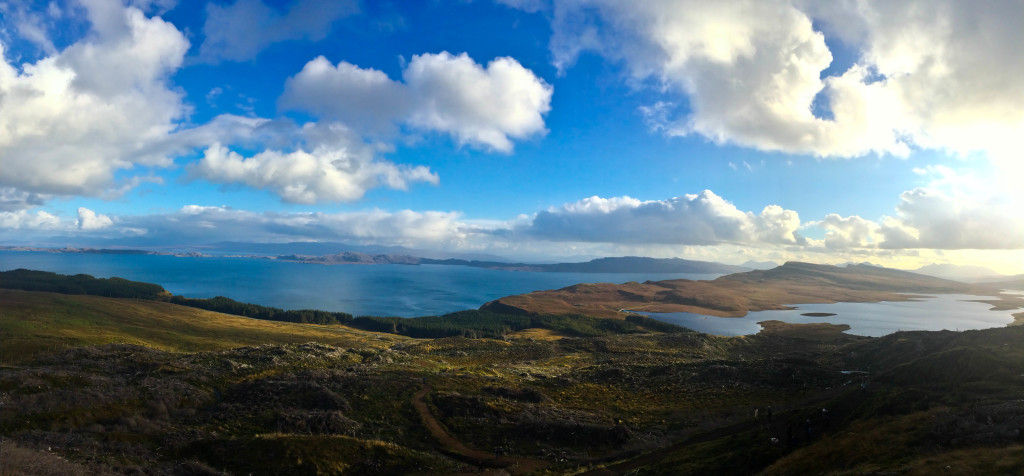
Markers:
(98, 385)
(658, 403)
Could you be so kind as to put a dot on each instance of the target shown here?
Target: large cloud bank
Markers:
(930, 74)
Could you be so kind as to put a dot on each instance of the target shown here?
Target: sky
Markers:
(725, 130)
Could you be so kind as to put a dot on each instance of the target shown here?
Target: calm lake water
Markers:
(943, 311)
(384, 290)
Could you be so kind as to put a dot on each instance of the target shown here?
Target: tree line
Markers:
(230, 306)
(29, 280)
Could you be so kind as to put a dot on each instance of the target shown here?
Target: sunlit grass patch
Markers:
(32, 323)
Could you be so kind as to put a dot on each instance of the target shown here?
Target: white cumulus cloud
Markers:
(69, 121)
(935, 218)
(89, 220)
(953, 211)
(360, 97)
(29, 221)
(334, 169)
(699, 219)
(848, 232)
(484, 106)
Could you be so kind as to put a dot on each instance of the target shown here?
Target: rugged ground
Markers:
(353, 402)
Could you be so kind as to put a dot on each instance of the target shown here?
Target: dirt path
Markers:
(511, 464)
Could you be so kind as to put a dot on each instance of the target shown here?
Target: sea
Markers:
(425, 290)
(378, 290)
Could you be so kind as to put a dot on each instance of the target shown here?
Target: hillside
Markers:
(37, 322)
(736, 294)
(677, 403)
(1009, 282)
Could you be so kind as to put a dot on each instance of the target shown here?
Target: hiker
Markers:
(824, 418)
(756, 410)
(769, 412)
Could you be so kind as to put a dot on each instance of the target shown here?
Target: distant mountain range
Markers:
(323, 249)
(759, 264)
(626, 264)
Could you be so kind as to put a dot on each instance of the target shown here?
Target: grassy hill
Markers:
(178, 390)
(35, 322)
(736, 294)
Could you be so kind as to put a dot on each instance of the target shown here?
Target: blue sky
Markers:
(531, 129)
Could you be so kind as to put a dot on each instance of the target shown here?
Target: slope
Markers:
(33, 322)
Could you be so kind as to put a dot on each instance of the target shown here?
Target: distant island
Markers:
(105, 251)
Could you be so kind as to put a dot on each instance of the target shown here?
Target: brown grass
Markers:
(538, 334)
(35, 322)
(737, 294)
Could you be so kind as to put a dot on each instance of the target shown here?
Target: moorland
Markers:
(93, 384)
(736, 294)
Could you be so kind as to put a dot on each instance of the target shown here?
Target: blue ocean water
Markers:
(383, 290)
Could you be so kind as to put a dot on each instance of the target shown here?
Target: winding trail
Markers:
(454, 447)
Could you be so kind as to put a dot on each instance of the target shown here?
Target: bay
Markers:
(939, 312)
(383, 290)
